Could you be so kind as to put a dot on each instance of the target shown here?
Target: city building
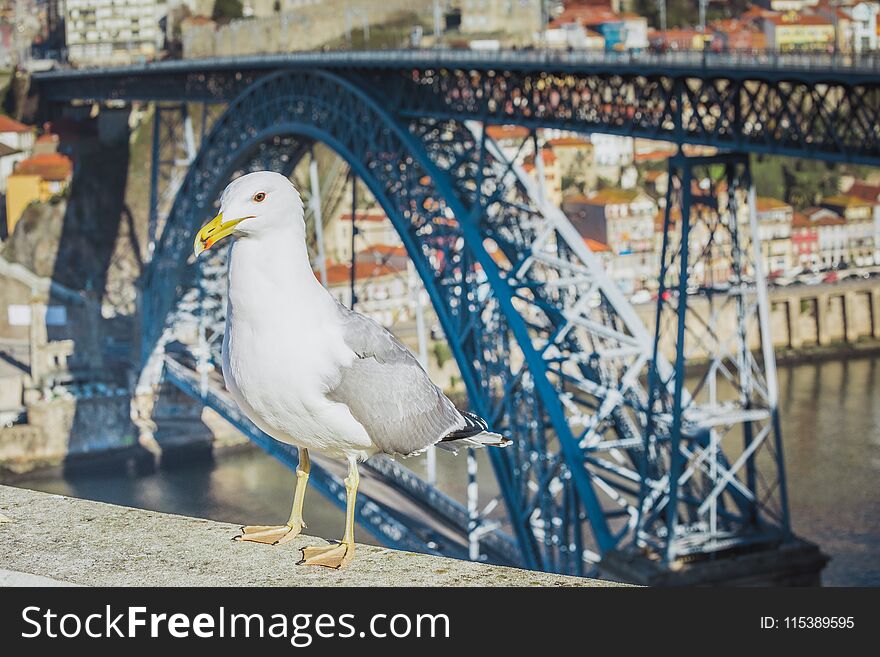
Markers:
(374, 228)
(575, 157)
(656, 182)
(382, 289)
(611, 153)
(804, 241)
(870, 194)
(622, 219)
(606, 256)
(864, 26)
(16, 135)
(737, 34)
(522, 17)
(574, 36)
(509, 138)
(860, 229)
(9, 157)
(386, 254)
(552, 186)
(46, 144)
(788, 5)
(37, 178)
(619, 31)
(774, 229)
(798, 31)
(112, 32)
(831, 236)
(679, 38)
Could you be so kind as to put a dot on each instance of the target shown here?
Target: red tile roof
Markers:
(197, 20)
(766, 203)
(577, 199)
(865, 191)
(613, 195)
(363, 216)
(8, 124)
(567, 141)
(845, 201)
(498, 132)
(823, 217)
(338, 273)
(49, 166)
(385, 250)
(654, 156)
(596, 246)
(799, 220)
(546, 154)
(798, 19)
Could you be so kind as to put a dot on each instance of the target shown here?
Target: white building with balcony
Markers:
(113, 32)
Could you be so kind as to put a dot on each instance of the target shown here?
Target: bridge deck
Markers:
(698, 62)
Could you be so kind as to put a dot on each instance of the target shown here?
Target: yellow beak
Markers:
(213, 232)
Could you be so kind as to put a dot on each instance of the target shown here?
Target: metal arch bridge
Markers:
(612, 450)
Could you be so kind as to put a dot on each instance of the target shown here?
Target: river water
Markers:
(831, 429)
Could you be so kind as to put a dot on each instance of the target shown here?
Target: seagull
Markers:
(310, 372)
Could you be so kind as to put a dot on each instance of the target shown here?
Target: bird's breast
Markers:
(283, 349)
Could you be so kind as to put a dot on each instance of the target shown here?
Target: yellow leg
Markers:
(280, 534)
(338, 556)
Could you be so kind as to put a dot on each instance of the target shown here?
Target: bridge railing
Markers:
(751, 59)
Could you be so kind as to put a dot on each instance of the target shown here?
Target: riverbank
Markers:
(226, 441)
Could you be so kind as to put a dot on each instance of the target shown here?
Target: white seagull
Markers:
(310, 372)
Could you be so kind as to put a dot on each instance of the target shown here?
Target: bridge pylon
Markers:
(713, 485)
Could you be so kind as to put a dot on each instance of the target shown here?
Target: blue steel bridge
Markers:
(619, 462)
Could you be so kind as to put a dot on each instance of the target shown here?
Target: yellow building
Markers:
(793, 31)
(575, 155)
(21, 191)
(37, 178)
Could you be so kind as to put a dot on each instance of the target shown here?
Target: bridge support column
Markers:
(793, 311)
(729, 510)
(850, 330)
(823, 336)
(875, 312)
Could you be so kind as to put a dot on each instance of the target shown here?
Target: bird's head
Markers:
(253, 205)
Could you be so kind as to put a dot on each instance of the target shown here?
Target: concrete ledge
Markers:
(73, 541)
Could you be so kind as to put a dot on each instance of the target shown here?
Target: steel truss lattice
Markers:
(713, 474)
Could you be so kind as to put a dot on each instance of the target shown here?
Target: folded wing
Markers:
(389, 393)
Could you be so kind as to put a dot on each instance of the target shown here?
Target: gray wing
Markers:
(389, 393)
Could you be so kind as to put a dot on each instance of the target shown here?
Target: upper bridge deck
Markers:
(815, 105)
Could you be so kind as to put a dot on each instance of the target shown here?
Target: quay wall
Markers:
(831, 319)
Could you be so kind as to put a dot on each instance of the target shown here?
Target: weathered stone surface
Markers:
(90, 543)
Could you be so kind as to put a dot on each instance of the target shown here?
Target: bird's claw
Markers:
(270, 534)
(332, 556)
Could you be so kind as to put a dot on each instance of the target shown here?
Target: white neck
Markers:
(270, 271)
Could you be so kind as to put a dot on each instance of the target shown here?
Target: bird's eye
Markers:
(259, 197)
